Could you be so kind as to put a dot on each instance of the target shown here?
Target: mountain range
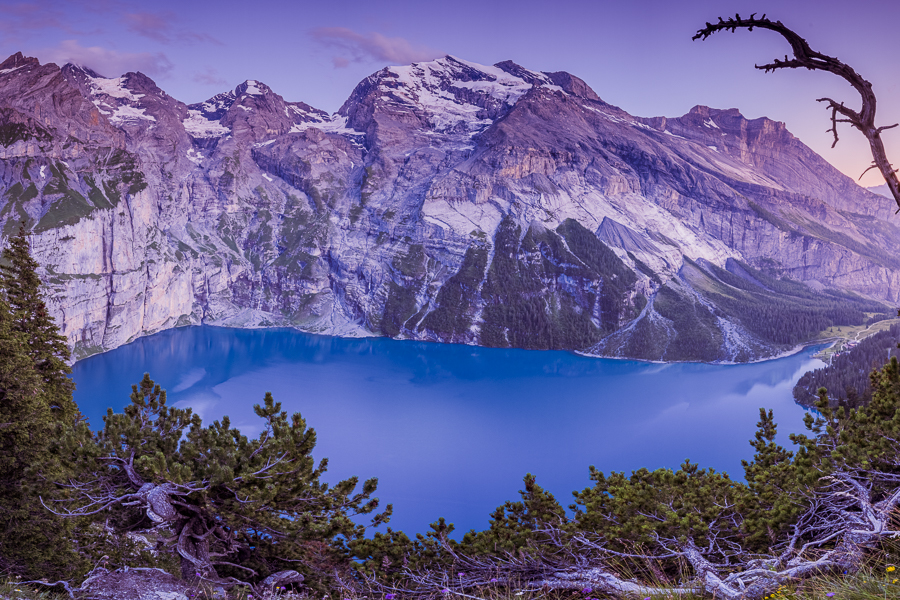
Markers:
(446, 201)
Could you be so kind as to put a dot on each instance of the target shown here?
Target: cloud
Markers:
(161, 28)
(358, 47)
(21, 18)
(105, 61)
(209, 76)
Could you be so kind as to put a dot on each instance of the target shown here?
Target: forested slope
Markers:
(847, 378)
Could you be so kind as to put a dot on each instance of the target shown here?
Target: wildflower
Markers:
(445, 591)
(829, 594)
(586, 591)
(891, 568)
(389, 596)
(494, 580)
(461, 574)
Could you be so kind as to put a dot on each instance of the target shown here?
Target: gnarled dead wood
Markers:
(847, 516)
(804, 56)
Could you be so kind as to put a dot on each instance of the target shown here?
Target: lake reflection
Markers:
(450, 430)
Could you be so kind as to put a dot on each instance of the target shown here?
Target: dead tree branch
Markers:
(804, 56)
(847, 516)
(64, 584)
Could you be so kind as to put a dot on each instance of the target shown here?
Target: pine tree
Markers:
(46, 347)
(24, 417)
(513, 525)
(235, 506)
(37, 416)
(774, 484)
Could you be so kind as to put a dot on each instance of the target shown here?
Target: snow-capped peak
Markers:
(251, 87)
(457, 96)
(439, 76)
(113, 99)
(215, 107)
(203, 119)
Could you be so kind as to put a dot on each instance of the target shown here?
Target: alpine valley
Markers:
(444, 201)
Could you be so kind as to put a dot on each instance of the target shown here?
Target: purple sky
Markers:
(635, 54)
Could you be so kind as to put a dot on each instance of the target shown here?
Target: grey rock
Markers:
(400, 214)
(133, 584)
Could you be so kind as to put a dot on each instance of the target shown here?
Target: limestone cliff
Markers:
(447, 201)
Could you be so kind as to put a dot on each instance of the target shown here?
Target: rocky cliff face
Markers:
(446, 201)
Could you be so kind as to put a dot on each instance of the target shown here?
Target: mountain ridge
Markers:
(387, 216)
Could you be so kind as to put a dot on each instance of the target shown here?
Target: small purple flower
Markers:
(445, 591)
(829, 594)
(647, 598)
(389, 597)
(494, 580)
(461, 574)
(586, 591)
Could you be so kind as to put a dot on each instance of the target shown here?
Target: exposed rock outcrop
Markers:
(447, 201)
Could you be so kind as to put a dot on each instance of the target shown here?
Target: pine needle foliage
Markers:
(46, 346)
(38, 417)
(232, 507)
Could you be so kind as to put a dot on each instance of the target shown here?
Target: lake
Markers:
(451, 430)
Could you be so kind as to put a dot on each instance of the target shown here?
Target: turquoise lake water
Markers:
(451, 430)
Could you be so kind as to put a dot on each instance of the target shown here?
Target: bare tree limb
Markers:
(65, 584)
(804, 56)
(843, 521)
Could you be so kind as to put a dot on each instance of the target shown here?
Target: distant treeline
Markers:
(847, 377)
(784, 311)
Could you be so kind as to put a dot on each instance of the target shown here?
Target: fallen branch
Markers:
(65, 584)
(832, 536)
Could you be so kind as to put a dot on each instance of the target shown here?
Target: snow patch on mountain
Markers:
(305, 112)
(334, 124)
(253, 88)
(605, 114)
(455, 94)
(199, 126)
(217, 104)
(126, 113)
(195, 156)
(114, 88)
